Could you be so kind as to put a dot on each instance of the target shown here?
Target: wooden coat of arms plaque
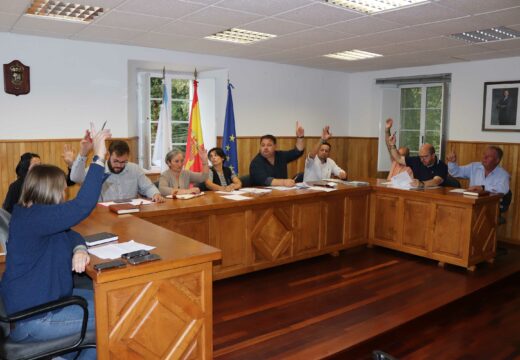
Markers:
(16, 78)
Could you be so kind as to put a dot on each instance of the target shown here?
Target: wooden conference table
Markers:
(163, 309)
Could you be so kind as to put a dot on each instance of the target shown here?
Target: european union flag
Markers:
(229, 140)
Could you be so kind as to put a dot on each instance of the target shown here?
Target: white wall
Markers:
(467, 91)
(74, 82)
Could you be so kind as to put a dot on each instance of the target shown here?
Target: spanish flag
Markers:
(192, 160)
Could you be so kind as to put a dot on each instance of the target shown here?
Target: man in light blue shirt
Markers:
(484, 175)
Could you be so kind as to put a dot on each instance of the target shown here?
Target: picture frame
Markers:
(501, 106)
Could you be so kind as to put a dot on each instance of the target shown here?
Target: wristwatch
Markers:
(96, 159)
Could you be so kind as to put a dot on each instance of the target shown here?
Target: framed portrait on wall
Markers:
(501, 108)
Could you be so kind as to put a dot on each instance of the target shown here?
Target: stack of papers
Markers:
(236, 197)
(281, 188)
(402, 181)
(114, 251)
(234, 192)
(321, 188)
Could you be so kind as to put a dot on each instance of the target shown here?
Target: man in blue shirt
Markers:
(428, 170)
(484, 175)
(269, 167)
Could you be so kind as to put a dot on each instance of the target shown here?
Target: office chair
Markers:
(504, 206)
(450, 181)
(246, 180)
(298, 177)
(12, 350)
(380, 355)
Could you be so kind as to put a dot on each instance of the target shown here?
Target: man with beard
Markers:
(125, 180)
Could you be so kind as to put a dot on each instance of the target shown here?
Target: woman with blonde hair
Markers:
(176, 180)
(42, 249)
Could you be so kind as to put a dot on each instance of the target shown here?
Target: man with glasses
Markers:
(125, 180)
(428, 170)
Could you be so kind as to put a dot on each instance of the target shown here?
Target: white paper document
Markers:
(234, 192)
(281, 188)
(135, 202)
(114, 251)
(255, 190)
(402, 181)
(236, 197)
(321, 188)
(457, 190)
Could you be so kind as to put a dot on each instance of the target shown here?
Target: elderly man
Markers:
(318, 165)
(269, 167)
(125, 179)
(427, 169)
(484, 175)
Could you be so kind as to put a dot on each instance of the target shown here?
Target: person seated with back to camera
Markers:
(427, 168)
(318, 165)
(42, 249)
(221, 177)
(269, 166)
(126, 180)
(176, 180)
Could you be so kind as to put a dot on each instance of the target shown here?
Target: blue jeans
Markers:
(59, 323)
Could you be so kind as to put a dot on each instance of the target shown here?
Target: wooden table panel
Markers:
(417, 215)
(308, 227)
(334, 218)
(356, 219)
(450, 231)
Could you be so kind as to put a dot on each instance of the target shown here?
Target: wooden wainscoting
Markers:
(357, 155)
(50, 151)
(472, 151)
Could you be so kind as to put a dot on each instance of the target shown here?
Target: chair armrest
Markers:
(53, 305)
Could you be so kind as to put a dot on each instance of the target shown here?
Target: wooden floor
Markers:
(345, 306)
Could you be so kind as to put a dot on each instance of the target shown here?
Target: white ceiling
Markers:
(306, 29)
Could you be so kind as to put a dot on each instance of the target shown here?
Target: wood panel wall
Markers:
(358, 155)
(50, 151)
(472, 151)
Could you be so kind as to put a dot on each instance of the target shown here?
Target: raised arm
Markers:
(454, 169)
(78, 170)
(325, 136)
(390, 143)
(300, 134)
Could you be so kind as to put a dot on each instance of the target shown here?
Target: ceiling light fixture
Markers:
(353, 55)
(373, 6)
(58, 10)
(240, 36)
(487, 35)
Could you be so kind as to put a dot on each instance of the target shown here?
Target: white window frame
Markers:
(422, 126)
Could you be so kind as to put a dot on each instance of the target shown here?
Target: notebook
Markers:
(100, 238)
(123, 208)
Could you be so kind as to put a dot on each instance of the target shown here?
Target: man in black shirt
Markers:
(427, 169)
(269, 167)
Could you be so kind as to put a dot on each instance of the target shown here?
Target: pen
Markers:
(103, 127)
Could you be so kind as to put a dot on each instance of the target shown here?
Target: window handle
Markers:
(422, 139)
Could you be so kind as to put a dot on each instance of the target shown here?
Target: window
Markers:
(180, 91)
(421, 117)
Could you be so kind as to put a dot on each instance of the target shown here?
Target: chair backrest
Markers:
(5, 217)
(506, 201)
(381, 355)
(5, 327)
(451, 182)
(246, 180)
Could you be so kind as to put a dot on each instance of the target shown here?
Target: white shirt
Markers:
(316, 170)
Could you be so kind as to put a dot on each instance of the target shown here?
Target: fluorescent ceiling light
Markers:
(58, 10)
(240, 36)
(373, 6)
(487, 35)
(353, 55)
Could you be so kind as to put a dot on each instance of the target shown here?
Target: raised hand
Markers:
(389, 123)
(325, 134)
(300, 132)
(98, 140)
(85, 145)
(203, 153)
(68, 155)
(451, 157)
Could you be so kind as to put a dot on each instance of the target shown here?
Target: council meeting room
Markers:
(260, 179)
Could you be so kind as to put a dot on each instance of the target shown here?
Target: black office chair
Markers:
(246, 180)
(505, 202)
(450, 181)
(298, 177)
(13, 350)
(380, 355)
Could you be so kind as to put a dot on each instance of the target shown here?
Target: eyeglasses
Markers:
(117, 162)
(424, 156)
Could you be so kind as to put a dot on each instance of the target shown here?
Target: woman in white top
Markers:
(176, 180)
